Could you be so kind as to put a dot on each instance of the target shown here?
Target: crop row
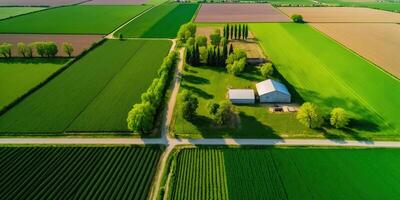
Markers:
(77, 172)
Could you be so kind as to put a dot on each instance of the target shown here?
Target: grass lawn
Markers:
(73, 19)
(210, 84)
(286, 173)
(6, 12)
(18, 76)
(94, 94)
(64, 172)
(324, 72)
(163, 21)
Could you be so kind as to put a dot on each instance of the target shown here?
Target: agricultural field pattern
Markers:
(213, 99)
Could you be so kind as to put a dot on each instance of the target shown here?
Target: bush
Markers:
(68, 49)
(267, 70)
(212, 108)
(152, 98)
(339, 118)
(215, 37)
(22, 49)
(309, 115)
(46, 49)
(297, 18)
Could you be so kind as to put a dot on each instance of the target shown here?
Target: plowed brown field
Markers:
(239, 13)
(379, 43)
(79, 42)
(342, 14)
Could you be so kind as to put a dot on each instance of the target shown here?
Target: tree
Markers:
(68, 49)
(5, 50)
(29, 50)
(236, 31)
(212, 108)
(231, 49)
(201, 40)
(240, 32)
(121, 37)
(48, 49)
(227, 31)
(141, 117)
(190, 42)
(225, 114)
(297, 18)
(189, 105)
(309, 115)
(339, 118)
(22, 49)
(267, 70)
(215, 37)
(186, 31)
(231, 32)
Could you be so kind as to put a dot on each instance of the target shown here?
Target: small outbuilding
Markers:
(241, 96)
(271, 91)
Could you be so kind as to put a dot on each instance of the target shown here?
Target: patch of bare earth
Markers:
(78, 42)
(39, 2)
(239, 13)
(250, 45)
(342, 14)
(115, 2)
(379, 43)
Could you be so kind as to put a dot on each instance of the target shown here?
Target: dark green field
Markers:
(72, 19)
(163, 21)
(94, 94)
(287, 173)
(77, 172)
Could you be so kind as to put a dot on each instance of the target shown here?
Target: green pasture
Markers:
(98, 90)
(77, 172)
(286, 173)
(324, 72)
(18, 76)
(162, 21)
(6, 12)
(210, 84)
(80, 19)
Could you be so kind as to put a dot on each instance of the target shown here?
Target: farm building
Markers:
(271, 91)
(241, 96)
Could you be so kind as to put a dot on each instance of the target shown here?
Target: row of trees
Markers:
(310, 116)
(43, 49)
(141, 117)
(236, 31)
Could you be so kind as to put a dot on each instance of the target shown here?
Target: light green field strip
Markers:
(18, 76)
(329, 75)
(6, 12)
(73, 20)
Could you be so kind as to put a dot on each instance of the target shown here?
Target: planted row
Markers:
(43, 49)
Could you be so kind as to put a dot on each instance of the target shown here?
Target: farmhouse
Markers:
(241, 96)
(271, 91)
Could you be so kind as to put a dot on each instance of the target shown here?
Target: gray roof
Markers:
(270, 85)
(241, 94)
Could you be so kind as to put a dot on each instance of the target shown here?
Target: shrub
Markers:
(236, 62)
(339, 118)
(297, 18)
(68, 49)
(309, 115)
(267, 70)
(215, 37)
(46, 49)
(22, 49)
(212, 108)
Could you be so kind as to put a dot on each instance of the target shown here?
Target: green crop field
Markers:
(18, 76)
(326, 73)
(163, 21)
(6, 12)
(286, 173)
(77, 172)
(72, 19)
(94, 94)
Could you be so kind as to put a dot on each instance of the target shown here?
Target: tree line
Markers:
(311, 116)
(142, 115)
(43, 49)
(236, 31)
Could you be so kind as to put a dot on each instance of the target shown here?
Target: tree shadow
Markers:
(34, 60)
(197, 91)
(195, 79)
